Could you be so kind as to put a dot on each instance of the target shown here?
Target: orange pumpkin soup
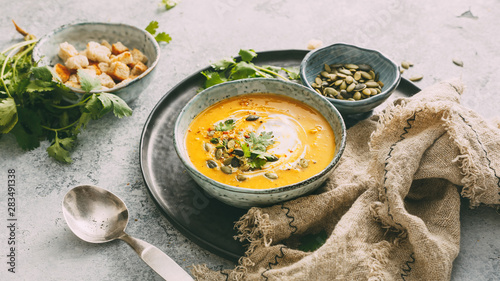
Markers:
(260, 141)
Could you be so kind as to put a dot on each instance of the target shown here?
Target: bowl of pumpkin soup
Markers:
(257, 142)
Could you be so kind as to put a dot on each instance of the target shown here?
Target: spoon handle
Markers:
(156, 259)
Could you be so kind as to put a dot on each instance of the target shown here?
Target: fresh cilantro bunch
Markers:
(231, 69)
(33, 105)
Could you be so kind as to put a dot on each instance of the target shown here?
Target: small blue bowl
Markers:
(247, 197)
(313, 63)
(79, 34)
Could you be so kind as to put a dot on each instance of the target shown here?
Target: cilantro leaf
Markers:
(88, 82)
(259, 144)
(60, 149)
(223, 64)
(227, 125)
(152, 27)
(243, 70)
(39, 86)
(246, 149)
(82, 122)
(213, 78)
(24, 139)
(247, 55)
(120, 107)
(42, 73)
(8, 115)
(257, 163)
(293, 73)
(163, 37)
(169, 4)
(94, 107)
(160, 37)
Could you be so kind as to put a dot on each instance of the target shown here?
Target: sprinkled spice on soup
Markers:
(260, 141)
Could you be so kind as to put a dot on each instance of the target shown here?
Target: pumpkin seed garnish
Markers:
(271, 176)
(458, 62)
(218, 153)
(231, 144)
(252, 117)
(211, 164)
(416, 78)
(207, 146)
(238, 152)
(226, 170)
(227, 161)
(241, 177)
(304, 163)
(347, 81)
(235, 162)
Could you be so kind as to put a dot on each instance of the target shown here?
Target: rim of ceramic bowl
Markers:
(37, 56)
(279, 189)
(383, 95)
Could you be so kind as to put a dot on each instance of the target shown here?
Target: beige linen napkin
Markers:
(391, 207)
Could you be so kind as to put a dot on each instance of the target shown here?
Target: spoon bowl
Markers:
(96, 215)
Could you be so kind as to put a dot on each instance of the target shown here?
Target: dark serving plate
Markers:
(206, 221)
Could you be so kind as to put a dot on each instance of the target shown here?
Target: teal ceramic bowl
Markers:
(313, 63)
(245, 197)
(79, 34)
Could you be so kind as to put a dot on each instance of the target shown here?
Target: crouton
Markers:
(106, 44)
(118, 48)
(138, 69)
(94, 67)
(123, 82)
(125, 57)
(103, 66)
(77, 62)
(62, 72)
(118, 71)
(90, 71)
(73, 84)
(139, 56)
(73, 78)
(106, 80)
(98, 52)
(66, 51)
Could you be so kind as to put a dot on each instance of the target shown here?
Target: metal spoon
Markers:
(96, 215)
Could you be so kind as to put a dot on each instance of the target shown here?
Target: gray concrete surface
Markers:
(429, 33)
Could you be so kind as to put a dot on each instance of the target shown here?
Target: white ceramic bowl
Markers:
(246, 197)
(79, 34)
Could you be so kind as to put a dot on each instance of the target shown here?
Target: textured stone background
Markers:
(428, 33)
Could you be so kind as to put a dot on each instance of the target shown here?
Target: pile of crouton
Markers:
(113, 64)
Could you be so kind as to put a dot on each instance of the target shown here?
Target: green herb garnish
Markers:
(259, 143)
(169, 4)
(160, 37)
(34, 107)
(230, 69)
(227, 125)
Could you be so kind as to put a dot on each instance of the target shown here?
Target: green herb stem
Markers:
(12, 50)
(271, 72)
(80, 103)
(19, 45)
(24, 53)
(60, 129)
